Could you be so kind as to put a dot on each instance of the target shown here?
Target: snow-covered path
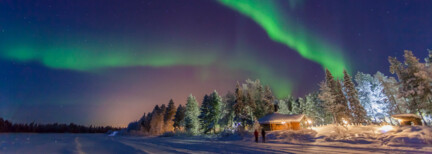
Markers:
(99, 143)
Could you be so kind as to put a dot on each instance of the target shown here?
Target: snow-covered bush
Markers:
(408, 136)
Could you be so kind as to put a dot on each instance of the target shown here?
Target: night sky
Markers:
(106, 62)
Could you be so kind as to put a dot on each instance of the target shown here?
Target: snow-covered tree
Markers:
(210, 112)
(227, 113)
(179, 121)
(371, 96)
(428, 60)
(415, 82)
(358, 112)
(157, 121)
(215, 110)
(326, 95)
(243, 112)
(395, 104)
(191, 115)
(169, 117)
(295, 106)
(268, 101)
(314, 109)
(334, 98)
(289, 101)
(302, 105)
(283, 107)
(343, 111)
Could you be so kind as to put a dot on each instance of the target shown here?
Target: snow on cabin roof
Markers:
(279, 118)
(405, 116)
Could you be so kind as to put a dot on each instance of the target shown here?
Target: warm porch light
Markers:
(386, 128)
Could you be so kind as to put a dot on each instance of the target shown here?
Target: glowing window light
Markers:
(344, 121)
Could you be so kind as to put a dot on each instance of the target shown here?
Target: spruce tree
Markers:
(268, 101)
(214, 111)
(342, 104)
(282, 107)
(191, 116)
(295, 106)
(169, 116)
(358, 112)
(204, 113)
(326, 95)
(227, 115)
(179, 118)
(156, 123)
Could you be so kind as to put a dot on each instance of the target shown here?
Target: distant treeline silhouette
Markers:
(7, 126)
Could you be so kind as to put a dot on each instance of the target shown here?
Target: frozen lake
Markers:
(101, 143)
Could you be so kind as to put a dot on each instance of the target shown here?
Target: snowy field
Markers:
(101, 143)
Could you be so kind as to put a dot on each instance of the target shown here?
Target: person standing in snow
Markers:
(263, 135)
(256, 135)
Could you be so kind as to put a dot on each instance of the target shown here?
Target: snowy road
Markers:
(99, 143)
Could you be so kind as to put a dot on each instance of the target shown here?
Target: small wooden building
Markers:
(408, 119)
(277, 121)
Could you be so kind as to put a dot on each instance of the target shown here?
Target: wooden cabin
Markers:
(277, 121)
(408, 119)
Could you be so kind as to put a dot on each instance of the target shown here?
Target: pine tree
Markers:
(227, 115)
(142, 120)
(214, 111)
(283, 107)
(169, 116)
(358, 112)
(336, 101)
(428, 60)
(191, 116)
(156, 123)
(295, 106)
(146, 123)
(301, 106)
(312, 108)
(289, 101)
(243, 112)
(268, 101)
(179, 121)
(204, 113)
(343, 109)
(326, 95)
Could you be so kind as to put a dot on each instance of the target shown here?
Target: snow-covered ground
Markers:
(102, 143)
(358, 136)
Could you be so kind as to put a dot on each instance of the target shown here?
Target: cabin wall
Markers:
(295, 126)
(287, 126)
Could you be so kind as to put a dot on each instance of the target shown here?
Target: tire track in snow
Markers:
(78, 146)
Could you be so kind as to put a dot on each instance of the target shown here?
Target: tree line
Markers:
(216, 113)
(9, 127)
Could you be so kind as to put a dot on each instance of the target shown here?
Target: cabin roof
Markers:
(279, 118)
(405, 116)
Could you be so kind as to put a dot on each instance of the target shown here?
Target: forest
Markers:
(362, 99)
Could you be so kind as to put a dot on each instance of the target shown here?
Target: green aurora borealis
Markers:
(281, 28)
(92, 57)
